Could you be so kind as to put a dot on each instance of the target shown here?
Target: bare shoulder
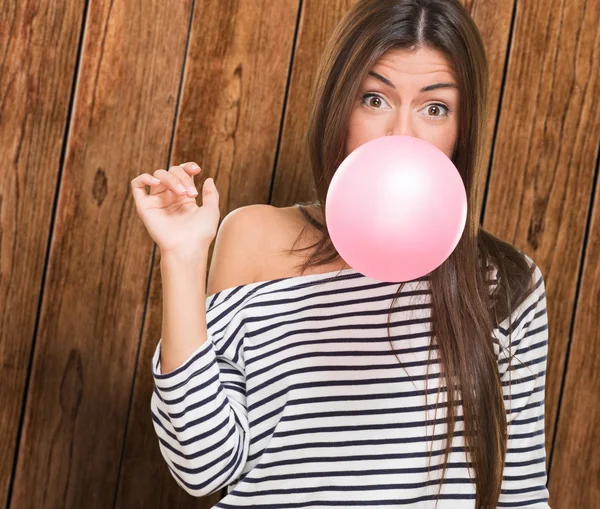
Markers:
(248, 241)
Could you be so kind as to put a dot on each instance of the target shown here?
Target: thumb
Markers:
(210, 195)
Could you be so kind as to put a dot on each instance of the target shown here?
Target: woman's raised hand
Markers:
(170, 213)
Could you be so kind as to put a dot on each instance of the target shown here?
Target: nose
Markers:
(401, 125)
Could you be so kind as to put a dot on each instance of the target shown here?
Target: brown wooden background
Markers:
(94, 93)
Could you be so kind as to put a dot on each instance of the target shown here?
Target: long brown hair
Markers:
(464, 311)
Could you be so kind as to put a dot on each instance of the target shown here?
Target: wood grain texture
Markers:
(575, 467)
(293, 178)
(545, 156)
(234, 88)
(94, 297)
(236, 75)
(38, 44)
(493, 19)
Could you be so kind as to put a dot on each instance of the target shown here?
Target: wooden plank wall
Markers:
(94, 93)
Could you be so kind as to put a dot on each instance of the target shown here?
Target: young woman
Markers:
(306, 383)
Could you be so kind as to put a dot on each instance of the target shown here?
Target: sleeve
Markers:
(199, 410)
(522, 366)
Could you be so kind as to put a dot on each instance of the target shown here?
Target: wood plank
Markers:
(92, 305)
(38, 43)
(545, 154)
(575, 467)
(293, 176)
(493, 19)
(231, 107)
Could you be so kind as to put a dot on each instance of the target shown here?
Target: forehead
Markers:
(423, 64)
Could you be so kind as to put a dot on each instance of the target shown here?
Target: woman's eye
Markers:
(436, 110)
(375, 101)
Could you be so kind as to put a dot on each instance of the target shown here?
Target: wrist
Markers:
(185, 258)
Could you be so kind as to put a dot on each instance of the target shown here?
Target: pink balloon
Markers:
(396, 208)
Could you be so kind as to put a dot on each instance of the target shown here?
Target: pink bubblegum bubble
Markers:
(396, 208)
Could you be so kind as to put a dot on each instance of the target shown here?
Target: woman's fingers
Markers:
(179, 179)
(169, 181)
(139, 183)
(186, 180)
(191, 168)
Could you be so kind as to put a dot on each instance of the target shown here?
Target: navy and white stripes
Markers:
(297, 400)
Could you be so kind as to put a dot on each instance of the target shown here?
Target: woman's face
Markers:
(391, 100)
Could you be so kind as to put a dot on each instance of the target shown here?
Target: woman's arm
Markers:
(236, 261)
(184, 316)
(523, 380)
(199, 402)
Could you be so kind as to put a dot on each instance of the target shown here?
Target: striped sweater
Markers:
(297, 399)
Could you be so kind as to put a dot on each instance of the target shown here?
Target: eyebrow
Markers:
(428, 88)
